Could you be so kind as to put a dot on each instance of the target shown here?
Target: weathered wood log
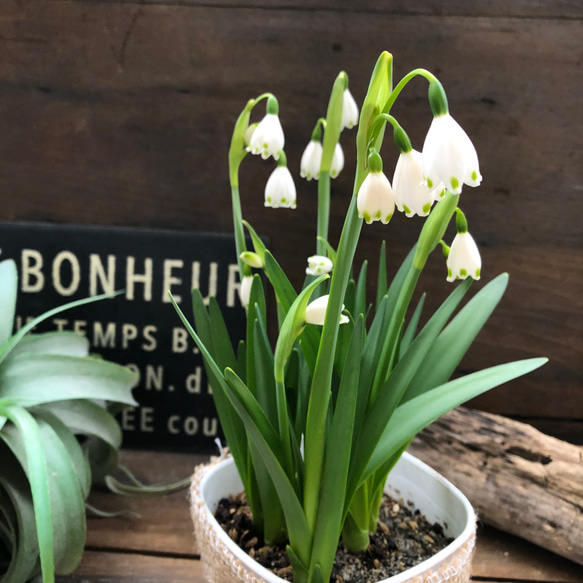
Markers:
(518, 479)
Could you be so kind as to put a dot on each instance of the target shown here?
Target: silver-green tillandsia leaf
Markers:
(33, 379)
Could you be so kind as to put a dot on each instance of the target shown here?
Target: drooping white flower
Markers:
(412, 195)
(280, 190)
(316, 311)
(267, 139)
(245, 290)
(311, 160)
(337, 163)
(318, 264)
(349, 111)
(464, 258)
(449, 156)
(375, 199)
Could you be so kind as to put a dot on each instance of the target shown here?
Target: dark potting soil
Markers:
(403, 539)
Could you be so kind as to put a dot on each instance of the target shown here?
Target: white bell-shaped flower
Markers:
(375, 199)
(349, 111)
(318, 265)
(280, 190)
(267, 139)
(311, 160)
(337, 163)
(449, 156)
(412, 195)
(316, 311)
(245, 290)
(464, 258)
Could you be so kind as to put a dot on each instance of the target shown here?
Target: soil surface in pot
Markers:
(403, 539)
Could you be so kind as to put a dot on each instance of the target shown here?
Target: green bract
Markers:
(353, 395)
(51, 392)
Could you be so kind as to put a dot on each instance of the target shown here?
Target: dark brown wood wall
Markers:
(120, 112)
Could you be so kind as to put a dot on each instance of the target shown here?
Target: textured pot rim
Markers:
(433, 561)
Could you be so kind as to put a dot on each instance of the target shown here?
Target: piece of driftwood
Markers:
(518, 479)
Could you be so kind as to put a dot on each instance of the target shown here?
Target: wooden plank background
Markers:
(120, 112)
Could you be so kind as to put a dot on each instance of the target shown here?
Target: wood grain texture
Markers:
(157, 547)
(518, 479)
(120, 113)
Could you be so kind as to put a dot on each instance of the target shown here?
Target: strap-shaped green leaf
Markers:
(33, 379)
(416, 414)
(230, 421)
(255, 310)
(263, 435)
(263, 367)
(454, 341)
(382, 275)
(360, 297)
(223, 347)
(412, 327)
(390, 394)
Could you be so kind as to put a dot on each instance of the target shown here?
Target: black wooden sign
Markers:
(140, 328)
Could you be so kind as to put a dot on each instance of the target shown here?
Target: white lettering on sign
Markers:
(97, 272)
(132, 277)
(31, 265)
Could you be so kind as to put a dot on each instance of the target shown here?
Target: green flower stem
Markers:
(323, 212)
(321, 383)
(283, 421)
(431, 234)
(237, 152)
(403, 82)
(379, 88)
(238, 227)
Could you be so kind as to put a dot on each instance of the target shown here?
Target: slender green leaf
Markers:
(382, 275)
(263, 366)
(223, 347)
(360, 297)
(412, 327)
(393, 389)
(267, 444)
(416, 414)
(230, 421)
(451, 345)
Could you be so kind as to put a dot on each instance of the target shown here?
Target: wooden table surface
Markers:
(158, 546)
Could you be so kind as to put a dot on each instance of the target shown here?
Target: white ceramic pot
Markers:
(411, 479)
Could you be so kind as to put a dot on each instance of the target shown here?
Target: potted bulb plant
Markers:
(315, 425)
